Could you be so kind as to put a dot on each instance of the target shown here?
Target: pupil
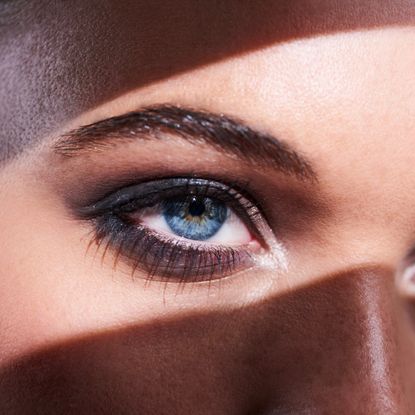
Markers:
(196, 207)
(194, 217)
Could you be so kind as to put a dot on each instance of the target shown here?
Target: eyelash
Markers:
(161, 257)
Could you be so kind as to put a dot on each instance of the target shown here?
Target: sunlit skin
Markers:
(323, 321)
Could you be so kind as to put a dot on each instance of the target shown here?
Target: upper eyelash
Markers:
(112, 229)
(152, 189)
(145, 194)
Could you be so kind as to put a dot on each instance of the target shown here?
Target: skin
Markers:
(333, 331)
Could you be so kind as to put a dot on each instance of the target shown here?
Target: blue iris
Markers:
(197, 218)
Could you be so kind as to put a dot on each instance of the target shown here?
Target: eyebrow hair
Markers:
(219, 131)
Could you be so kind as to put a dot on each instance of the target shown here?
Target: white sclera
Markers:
(233, 232)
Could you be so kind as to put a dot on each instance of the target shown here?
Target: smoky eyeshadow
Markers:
(149, 193)
(290, 210)
(162, 257)
(111, 180)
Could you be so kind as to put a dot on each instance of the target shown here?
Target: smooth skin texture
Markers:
(328, 330)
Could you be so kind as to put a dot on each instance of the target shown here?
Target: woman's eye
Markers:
(197, 218)
(179, 229)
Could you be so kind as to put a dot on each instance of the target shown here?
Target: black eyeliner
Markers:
(149, 193)
(159, 256)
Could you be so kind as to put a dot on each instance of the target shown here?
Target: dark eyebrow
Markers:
(223, 133)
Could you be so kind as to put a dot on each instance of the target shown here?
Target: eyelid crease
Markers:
(217, 130)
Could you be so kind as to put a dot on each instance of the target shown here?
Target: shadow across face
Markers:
(342, 346)
(59, 59)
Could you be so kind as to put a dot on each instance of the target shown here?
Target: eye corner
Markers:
(158, 252)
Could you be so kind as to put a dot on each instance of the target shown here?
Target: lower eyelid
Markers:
(156, 258)
(140, 236)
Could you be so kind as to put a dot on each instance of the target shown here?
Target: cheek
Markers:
(48, 290)
(52, 288)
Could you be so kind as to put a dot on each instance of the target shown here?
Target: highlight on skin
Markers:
(213, 210)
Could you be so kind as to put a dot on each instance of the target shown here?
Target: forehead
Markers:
(345, 100)
(59, 59)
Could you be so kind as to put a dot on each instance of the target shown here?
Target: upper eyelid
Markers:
(217, 130)
(122, 201)
(160, 188)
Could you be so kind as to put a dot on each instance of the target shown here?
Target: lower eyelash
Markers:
(163, 258)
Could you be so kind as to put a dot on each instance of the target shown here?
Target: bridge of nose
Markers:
(335, 348)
